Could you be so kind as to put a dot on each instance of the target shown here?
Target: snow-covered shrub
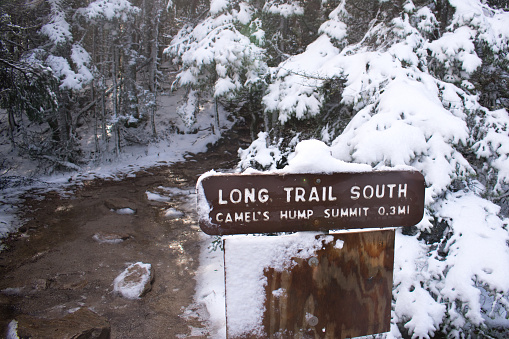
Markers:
(189, 108)
(260, 155)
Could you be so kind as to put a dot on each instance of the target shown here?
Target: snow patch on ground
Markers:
(12, 330)
(210, 288)
(157, 197)
(173, 213)
(246, 258)
(125, 211)
(134, 281)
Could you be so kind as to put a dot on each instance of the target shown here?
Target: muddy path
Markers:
(60, 261)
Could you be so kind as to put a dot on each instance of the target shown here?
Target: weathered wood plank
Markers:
(344, 292)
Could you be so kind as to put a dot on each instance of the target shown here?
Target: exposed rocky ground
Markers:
(67, 255)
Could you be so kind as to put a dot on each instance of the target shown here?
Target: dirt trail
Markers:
(54, 265)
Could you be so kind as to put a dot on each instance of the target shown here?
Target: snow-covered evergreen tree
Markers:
(27, 87)
(70, 64)
(408, 94)
(115, 19)
(220, 56)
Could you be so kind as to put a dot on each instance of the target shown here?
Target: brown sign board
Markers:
(273, 203)
(339, 293)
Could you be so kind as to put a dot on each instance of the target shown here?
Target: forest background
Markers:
(419, 83)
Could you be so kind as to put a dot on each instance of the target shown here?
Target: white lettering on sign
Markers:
(346, 212)
(242, 216)
(299, 194)
(394, 210)
(295, 214)
(379, 191)
(248, 195)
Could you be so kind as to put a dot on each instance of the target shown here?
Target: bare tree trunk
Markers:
(12, 126)
(115, 100)
(153, 85)
(282, 29)
(267, 121)
(129, 97)
(275, 126)
(216, 116)
(102, 62)
(94, 58)
(103, 120)
(62, 121)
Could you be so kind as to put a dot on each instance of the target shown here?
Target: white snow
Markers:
(292, 92)
(210, 287)
(496, 141)
(314, 156)
(125, 210)
(457, 45)
(217, 6)
(413, 305)
(69, 78)
(8, 221)
(258, 154)
(157, 197)
(202, 206)
(100, 238)
(217, 42)
(284, 9)
(173, 213)
(335, 27)
(12, 330)
(109, 9)
(339, 244)
(58, 29)
(131, 282)
(476, 226)
(246, 257)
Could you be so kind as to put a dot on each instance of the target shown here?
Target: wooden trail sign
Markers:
(343, 291)
(271, 203)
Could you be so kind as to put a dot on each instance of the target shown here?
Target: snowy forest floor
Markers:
(57, 263)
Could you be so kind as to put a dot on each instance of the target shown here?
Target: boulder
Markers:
(121, 205)
(110, 238)
(82, 324)
(135, 281)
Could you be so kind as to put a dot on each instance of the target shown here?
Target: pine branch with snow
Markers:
(216, 52)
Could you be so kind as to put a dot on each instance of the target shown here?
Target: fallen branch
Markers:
(65, 164)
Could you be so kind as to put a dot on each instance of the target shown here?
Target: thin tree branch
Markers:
(108, 91)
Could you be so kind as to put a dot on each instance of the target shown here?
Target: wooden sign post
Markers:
(338, 293)
(342, 291)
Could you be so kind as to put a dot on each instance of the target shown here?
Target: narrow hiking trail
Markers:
(61, 259)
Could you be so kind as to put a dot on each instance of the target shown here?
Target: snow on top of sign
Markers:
(247, 257)
(202, 206)
(310, 156)
(314, 156)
